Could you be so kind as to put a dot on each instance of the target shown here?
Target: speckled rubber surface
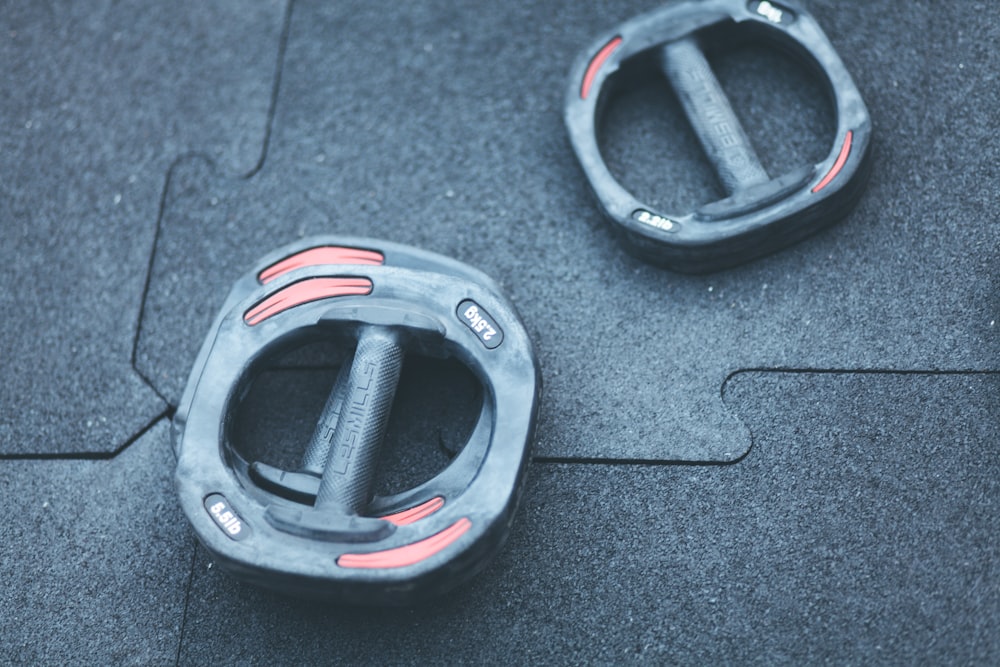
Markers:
(789, 462)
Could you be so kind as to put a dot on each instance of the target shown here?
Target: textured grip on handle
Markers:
(711, 115)
(357, 438)
(318, 449)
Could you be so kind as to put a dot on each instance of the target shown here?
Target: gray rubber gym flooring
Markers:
(789, 462)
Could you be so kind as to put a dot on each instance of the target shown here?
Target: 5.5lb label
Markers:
(226, 518)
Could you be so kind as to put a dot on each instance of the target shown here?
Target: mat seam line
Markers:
(158, 230)
(187, 602)
(93, 456)
(279, 68)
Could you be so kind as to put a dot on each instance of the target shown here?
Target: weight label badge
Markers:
(772, 11)
(481, 323)
(226, 518)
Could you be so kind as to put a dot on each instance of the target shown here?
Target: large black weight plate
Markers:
(439, 533)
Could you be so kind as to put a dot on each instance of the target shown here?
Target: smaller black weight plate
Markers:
(761, 214)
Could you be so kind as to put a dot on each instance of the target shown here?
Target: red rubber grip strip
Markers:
(415, 514)
(409, 554)
(845, 150)
(304, 291)
(595, 65)
(320, 255)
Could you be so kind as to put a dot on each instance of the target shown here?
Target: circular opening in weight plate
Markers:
(436, 406)
(782, 102)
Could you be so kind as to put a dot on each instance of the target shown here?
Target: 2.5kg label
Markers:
(481, 323)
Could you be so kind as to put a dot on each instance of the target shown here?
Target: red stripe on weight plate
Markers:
(845, 150)
(416, 513)
(320, 255)
(410, 554)
(595, 65)
(305, 291)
